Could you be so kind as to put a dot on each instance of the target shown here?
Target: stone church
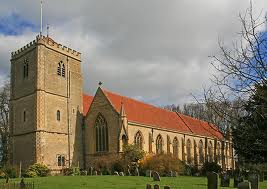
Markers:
(55, 123)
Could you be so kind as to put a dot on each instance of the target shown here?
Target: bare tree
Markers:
(239, 69)
(4, 123)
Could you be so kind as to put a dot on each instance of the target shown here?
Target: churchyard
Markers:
(121, 182)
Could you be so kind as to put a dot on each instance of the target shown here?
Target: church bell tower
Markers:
(46, 105)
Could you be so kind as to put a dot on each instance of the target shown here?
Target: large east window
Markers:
(101, 134)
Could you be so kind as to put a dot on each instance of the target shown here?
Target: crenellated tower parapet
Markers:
(49, 43)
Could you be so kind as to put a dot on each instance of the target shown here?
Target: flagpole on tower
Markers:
(41, 26)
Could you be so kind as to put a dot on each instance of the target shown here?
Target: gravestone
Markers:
(225, 180)
(156, 176)
(254, 180)
(169, 174)
(175, 174)
(116, 173)
(136, 171)
(91, 171)
(156, 186)
(265, 175)
(244, 185)
(238, 179)
(22, 184)
(129, 172)
(167, 187)
(148, 186)
(148, 173)
(95, 172)
(212, 180)
(121, 173)
(261, 176)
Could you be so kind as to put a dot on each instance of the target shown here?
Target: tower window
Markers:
(61, 160)
(63, 70)
(59, 69)
(58, 115)
(24, 116)
(26, 68)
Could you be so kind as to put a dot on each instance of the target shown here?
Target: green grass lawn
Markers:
(112, 182)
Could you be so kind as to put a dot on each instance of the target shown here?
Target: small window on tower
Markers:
(25, 68)
(63, 70)
(59, 68)
(24, 116)
(58, 115)
(61, 160)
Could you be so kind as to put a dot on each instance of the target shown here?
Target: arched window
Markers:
(201, 152)
(210, 152)
(188, 151)
(59, 68)
(101, 130)
(159, 144)
(58, 115)
(124, 141)
(138, 140)
(150, 139)
(63, 70)
(26, 68)
(24, 116)
(195, 153)
(175, 146)
(219, 153)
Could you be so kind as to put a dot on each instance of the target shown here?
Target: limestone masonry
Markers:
(54, 123)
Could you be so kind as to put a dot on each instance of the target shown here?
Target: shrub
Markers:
(9, 171)
(72, 171)
(163, 164)
(37, 169)
(132, 153)
(117, 166)
(210, 167)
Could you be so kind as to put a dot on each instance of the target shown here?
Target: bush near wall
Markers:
(37, 170)
(8, 171)
(210, 167)
(163, 164)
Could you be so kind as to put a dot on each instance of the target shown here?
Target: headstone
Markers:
(129, 172)
(225, 180)
(156, 186)
(148, 186)
(156, 176)
(254, 180)
(136, 171)
(22, 184)
(265, 175)
(169, 174)
(91, 171)
(148, 173)
(244, 185)
(175, 174)
(238, 179)
(212, 180)
(95, 172)
(116, 173)
(121, 173)
(167, 187)
(261, 176)
(84, 173)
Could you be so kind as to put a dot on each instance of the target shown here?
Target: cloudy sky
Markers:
(153, 50)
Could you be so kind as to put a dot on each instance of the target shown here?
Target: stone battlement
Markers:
(48, 42)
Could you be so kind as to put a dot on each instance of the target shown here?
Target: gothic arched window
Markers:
(188, 151)
(63, 70)
(101, 130)
(210, 152)
(58, 115)
(138, 140)
(59, 68)
(175, 145)
(159, 144)
(26, 68)
(218, 152)
(201, 152)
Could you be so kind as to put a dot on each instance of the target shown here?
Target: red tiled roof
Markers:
(146, 114)
(87, 100)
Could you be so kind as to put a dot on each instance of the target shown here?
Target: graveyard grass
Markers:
(117, 182)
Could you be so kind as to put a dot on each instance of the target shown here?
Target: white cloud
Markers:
(153, 50)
